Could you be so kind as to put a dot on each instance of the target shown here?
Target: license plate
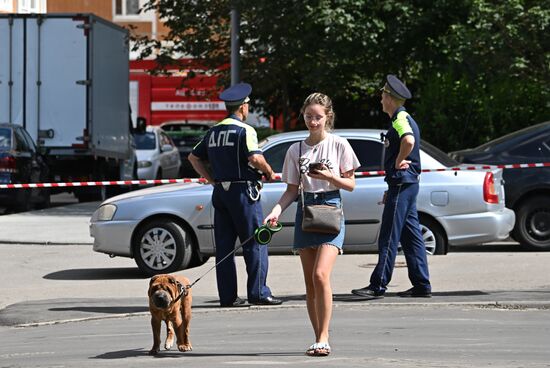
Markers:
(5, 178)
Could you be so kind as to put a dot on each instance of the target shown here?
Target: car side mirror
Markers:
(166, 148)
(141, 125)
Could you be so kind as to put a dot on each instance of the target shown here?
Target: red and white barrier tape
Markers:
(101, 183)
(203, 181)
(466, 168)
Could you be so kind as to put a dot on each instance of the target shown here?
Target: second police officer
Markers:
(231, 150)
(400, 218)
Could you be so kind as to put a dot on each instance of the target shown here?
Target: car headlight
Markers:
(142, 164)
(106, 212)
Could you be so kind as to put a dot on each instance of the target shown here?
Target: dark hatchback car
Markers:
(185, 136)
(527, 190)
(20, 162)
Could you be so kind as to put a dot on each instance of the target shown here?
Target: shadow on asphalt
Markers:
(122, 354)
(174, 353)
(355, 298)
(97, 274)
(102, 310)
(489, 248)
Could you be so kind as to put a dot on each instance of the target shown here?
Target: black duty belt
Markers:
(233, 181)
(253, 187)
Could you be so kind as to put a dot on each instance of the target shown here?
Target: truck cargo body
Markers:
(64, 77)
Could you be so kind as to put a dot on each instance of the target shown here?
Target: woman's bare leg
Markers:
(308, 257)
(322, 270)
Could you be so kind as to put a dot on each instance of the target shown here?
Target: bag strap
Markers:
(301, 185)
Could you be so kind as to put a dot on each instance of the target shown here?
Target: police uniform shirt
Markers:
(227, 146)
(402, 124)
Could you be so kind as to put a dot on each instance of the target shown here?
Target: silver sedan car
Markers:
(170, 227)
(157, 156)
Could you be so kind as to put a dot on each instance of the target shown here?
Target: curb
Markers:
(10, 319)
(43, 242)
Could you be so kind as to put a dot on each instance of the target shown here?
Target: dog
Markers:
(170, 301)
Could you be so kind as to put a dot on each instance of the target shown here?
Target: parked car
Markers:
(185, 136)
(157, 155)
(170, 227)
(20, 162)
(527, 190)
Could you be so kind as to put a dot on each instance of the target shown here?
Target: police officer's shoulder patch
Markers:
(401, 124)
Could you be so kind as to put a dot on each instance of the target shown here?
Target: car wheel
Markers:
(46, 201)
(23, 201)
(162, 246)
(434, 236)
(532, 228)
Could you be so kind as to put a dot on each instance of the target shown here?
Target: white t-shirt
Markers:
(333, 151)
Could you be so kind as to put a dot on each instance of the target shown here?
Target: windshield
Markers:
(185, 136)
(5, 139)
(145, 141)
(190, 128)
(438, 154)
(509, 137)
(431, 150)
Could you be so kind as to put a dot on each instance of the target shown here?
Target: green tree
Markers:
(477, 68)
(496, 75)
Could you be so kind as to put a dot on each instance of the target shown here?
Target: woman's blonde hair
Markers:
(325, 101)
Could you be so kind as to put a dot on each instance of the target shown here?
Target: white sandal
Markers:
(318, 349)
(322, 349)
(311, 350)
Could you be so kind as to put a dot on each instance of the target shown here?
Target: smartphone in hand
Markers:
(316, 166)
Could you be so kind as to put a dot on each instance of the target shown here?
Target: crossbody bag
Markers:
(319, 218)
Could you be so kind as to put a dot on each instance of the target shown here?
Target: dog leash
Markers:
(262, 235)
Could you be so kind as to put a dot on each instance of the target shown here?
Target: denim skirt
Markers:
(303, 239)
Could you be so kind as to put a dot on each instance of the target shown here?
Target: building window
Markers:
(6, 5)
(31, 6)
(127, 11)
(127, 7)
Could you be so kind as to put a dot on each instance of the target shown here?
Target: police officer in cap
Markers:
(236, 166)
(400, 218)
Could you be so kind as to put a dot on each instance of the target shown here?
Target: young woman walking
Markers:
(335, 170)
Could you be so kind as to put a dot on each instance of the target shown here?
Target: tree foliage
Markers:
(477, 68)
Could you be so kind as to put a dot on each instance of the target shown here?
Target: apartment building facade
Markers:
(23, 6)
(122, 12)
(156, 98)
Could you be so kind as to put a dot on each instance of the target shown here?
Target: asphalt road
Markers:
(361, 336)
(62, 305)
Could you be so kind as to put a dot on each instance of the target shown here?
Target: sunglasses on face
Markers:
(385, 90)
(314, 118)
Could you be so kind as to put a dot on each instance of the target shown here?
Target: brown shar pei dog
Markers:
(170, 301)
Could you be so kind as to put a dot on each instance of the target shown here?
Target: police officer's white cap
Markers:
(236, 94)
(396, 88)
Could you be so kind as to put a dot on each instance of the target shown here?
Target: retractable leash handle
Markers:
(262, 235)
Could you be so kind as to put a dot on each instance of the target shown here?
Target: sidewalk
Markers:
(57, 225)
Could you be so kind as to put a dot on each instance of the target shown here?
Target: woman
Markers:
(317, 251)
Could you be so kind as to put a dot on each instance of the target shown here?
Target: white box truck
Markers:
(64, 78)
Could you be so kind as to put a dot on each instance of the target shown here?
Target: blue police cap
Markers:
(236, 94)
(396, 88)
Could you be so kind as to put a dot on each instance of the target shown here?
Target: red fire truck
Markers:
(176, 96)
